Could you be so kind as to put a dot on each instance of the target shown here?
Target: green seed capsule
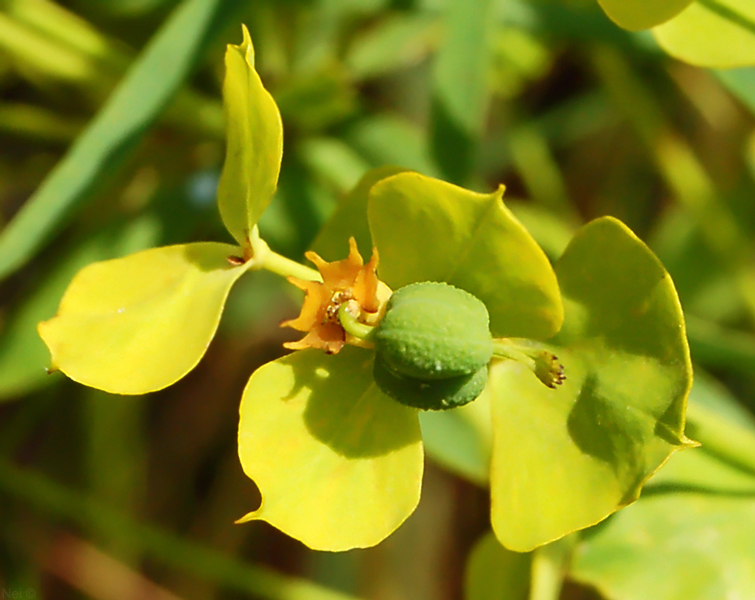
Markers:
(433, 346)
(434, 331)
(436, 394)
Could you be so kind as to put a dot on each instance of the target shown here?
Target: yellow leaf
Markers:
(339, 464)
(712, 33)
(642, 14)
(139, 323)
(254, 146)
(430, 230)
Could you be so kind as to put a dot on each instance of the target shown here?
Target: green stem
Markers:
(542, 362)
(264, 258)
(285, 267)
(549, 566)
(352, 326)
(512, 350)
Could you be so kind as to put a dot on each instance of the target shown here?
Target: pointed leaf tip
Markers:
(246, 46)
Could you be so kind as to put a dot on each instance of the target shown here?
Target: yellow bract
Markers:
(138, 324)
(717, 34)
(642, 14)
(339, 464)
(564, 459)
(254, 135)
(430, 230)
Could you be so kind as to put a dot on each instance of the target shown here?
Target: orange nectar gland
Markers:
(348, 283)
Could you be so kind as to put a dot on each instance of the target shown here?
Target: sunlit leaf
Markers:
(566, 458)
(712, 33)
(138, 324)
(254, 143)
(642, 14)
(339, 464)
(494, 572)
(429, 230)
(23, 355)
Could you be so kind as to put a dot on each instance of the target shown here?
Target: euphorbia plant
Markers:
(457, 302)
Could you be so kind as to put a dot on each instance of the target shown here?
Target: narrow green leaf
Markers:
(339, 464)
(138, 324)
(494, 572)
(566, 458)
(254, 145)
(149, 85)
(398, 41)
(712, 33)
(392, 140)
(461, 90)
(642, 14)
(429, 230)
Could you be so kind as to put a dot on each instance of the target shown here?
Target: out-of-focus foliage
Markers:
(578, 117)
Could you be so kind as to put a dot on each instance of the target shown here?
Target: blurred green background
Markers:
(111, 141)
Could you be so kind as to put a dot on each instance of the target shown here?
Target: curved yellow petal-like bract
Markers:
(254, 147)
(338, 463)
(565, 458)
(642, 14)
(430, 230)
(138, 324)
(719, 35)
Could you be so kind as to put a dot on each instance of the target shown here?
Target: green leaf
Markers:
(642, 14)
(138, 324)
(712, 33)
(132, 108)
(460, 439)
(678, 546)
(254, 144)
(339, 464)
(494, 572)
(461, 85)
(397, 41)
(696, 497)
(566, 458)
(429, 230)
(350, 219)
(23, 355)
